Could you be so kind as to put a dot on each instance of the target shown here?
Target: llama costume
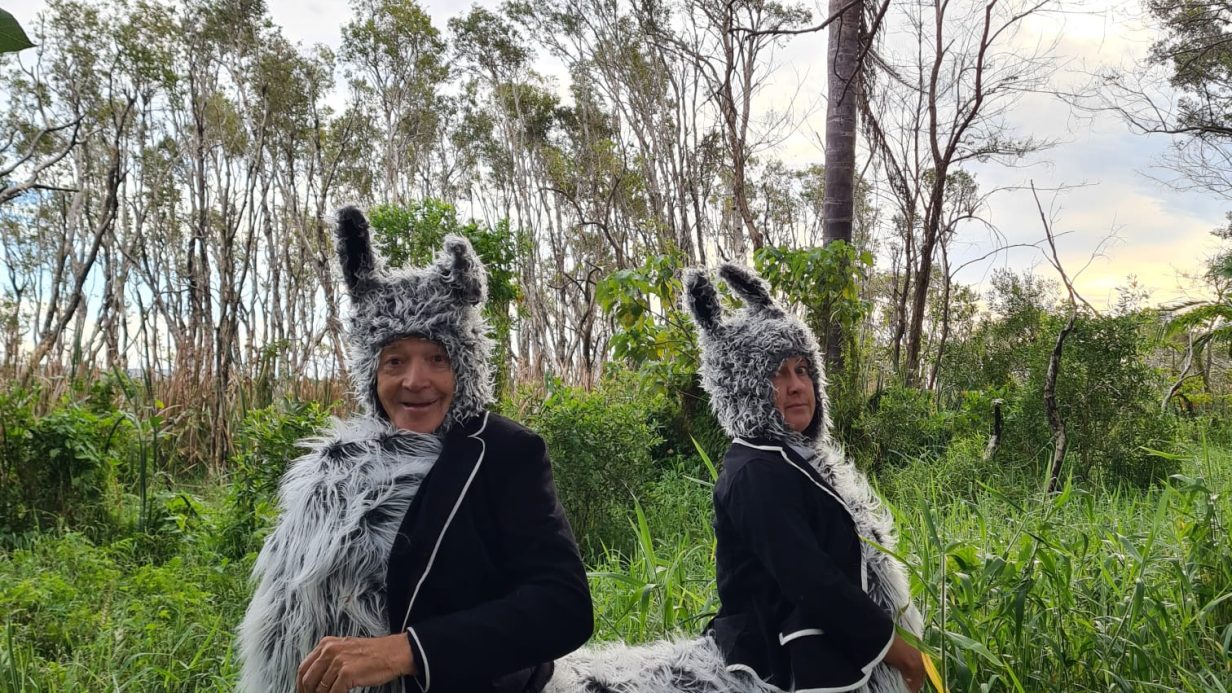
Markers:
(807, 606)
(454, 538)
(809, 603)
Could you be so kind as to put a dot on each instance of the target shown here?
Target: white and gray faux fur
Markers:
(322, 570)
(442, 302)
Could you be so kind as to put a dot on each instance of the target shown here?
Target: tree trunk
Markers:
(842, 122)
(1055, 423)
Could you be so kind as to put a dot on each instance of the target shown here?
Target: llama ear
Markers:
(750, 287)
(354, 248)
(462, 270)
(702, 300)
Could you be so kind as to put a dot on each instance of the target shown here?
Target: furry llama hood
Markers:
(441, 302)
(739, 354)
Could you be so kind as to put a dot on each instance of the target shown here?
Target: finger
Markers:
(344, 680)
(304, 666)
(332, 677)
(317, 670)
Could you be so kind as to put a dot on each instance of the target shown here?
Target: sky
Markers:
(1158, 234)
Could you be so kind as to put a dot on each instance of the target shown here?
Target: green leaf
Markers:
(12, 37)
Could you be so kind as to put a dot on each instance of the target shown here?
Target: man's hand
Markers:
(908, 661)
(337, 665)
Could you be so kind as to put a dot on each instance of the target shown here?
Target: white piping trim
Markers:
(867, 669)
(795, 466)
(784, 639)
(838, 689)
(432, 558)
(427, 671)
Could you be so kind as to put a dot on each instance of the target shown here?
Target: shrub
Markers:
(901, 424)
(1108, 397)
(61, 468)
(601, 444)
(267, 441)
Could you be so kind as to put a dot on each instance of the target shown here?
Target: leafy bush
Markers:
(60, 468)
(653, 331)
(1107, 392)
(1108, 397)
(602, 447)
(267, 441)
(900, 424)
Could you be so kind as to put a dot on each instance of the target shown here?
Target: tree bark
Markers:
(842, 123)
(1060, 441)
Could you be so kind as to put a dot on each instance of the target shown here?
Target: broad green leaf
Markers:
(12, 37)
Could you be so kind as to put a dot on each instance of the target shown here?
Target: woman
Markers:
(809, 603)
(421, 546)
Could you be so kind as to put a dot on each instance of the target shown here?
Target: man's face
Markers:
(415, 384)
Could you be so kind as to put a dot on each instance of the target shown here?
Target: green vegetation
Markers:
(1101, 587)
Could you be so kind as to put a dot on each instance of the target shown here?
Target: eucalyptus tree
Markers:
(1182, 89)
(394, 60)
(517, 116)
(78, 82)
(664, 132)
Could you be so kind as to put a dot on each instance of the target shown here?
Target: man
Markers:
(421, 546)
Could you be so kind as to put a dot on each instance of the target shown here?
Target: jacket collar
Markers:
(793, 458)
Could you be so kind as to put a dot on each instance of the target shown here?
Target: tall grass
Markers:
(1081, 591)
(1087, 590)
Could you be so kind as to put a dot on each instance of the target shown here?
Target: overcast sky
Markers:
(1160, 232)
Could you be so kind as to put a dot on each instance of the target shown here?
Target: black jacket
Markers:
(791, 576)
(485, 577)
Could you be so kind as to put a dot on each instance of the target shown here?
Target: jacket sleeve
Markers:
(765, 505)
(546, 612)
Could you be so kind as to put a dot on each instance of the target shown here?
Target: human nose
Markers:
(798, 382)
(415, 375)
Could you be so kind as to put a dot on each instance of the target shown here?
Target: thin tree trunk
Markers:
(1055, 423)
(115, 176)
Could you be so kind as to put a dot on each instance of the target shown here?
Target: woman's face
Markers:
(793, 393)
(415, 384)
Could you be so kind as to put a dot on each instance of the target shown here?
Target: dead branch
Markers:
(1060, 439)
(998, 422)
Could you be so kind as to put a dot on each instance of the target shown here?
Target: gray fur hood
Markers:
(741, 353)
(442, 302)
